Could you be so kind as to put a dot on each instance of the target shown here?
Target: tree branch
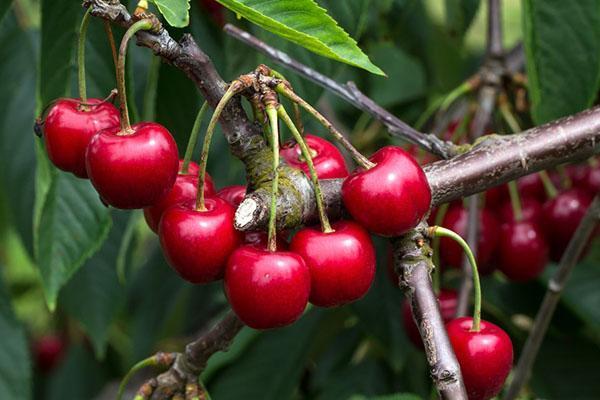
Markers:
(555, 287)
(494, 30)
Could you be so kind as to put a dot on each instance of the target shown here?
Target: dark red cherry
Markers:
(485, 357)
(531, 186)
(531, 209)
(132, 170)
(234, 194)
(390, 198)
(68, 129)
(341, 263)
(593, 181)
(48, 351)
(523, 251)
(267, 289)
(193, 168)
(495, 196)
(197, 243)
(456, 219)
(562, 215)
(447, 300)
(261, 239)
(328, 160)
(184, 190)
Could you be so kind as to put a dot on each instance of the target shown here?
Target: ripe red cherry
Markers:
(328, 160)
(260, 239)
(267, 289)
(68, 130)
(234, 194)
(485, 357)
(531, 209)
(531, 186)
(48, 351)
(456, 219)
(133, 170)
(197, 243)
(448, 301)
(390, 198)
(562, 215)
(523, 251)
(193, 168)
(341, 263)
(184, 190)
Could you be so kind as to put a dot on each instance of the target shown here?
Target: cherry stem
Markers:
(159, 359)
(143, 24)
(356, 155)
(272, 235)
(325, 225)
(193, 139)
(565, 179)
(515, 201)
(297, 114)
(231, 91)
(85, 21)
(549, 187)
(438, 231)
(111, 41)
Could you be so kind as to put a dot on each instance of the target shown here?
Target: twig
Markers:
(351, 94)
(553, 292)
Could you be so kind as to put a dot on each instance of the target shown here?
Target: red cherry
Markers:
(485, 357)
(193, 168)
(267, 289)
(593, 181)
(184, 190)
(215, 10)
(341, 263)
(531, 186)
(523, 251)
(448, 301)
(48, 351)
(456, 219)
(494, 197)
(390, 198)
(562, 215)
(234, 194)
(531, 209)
(134, 170)
(197, 243)
(68, 130)
(328, 160)
(261, 239)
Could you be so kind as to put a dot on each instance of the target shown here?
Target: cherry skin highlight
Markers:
(523, 251)
(390, 198)
(132, 170)
(485, 357)
(266, 289)
(197, 243)
(341, 263)
(328, 160)
(234, 194)
(68, 130)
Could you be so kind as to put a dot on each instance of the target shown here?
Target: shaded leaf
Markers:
(460, 15)
(367, 378)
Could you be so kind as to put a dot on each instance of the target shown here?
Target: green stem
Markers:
(359, 158)
(515, 201)
(85, 21)
(189, 150)
(148, 362)
(149, 112)
(565, 179)
(549, 187)
(231, 91)
(272, 235)
(325, 225)
(463, 88)
(509, 117)
(443, 232)
(143, 24)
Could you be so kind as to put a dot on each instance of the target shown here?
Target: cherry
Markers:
(261, 239)
(48, 351)
(448, 301)
(328, 160)
(523, 251)
(193, 168)
(531, 186)
(132, 170)
(585, 177)
(593, 181)
(197, 243)
(494, 197)
(341, 263)
(456, 219)
(267, 289)
(562, 215)
(531, 210)
(485, 357)
(234, 194)
(68, 129)
(184, 189)
(391, 197)
(215, 10)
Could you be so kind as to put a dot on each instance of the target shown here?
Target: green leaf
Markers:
(562, 48)
(15, 368)
(94, 296)
(460, 15)
(176, 12)
(367, 378)
(305, 23)
(4, 6)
